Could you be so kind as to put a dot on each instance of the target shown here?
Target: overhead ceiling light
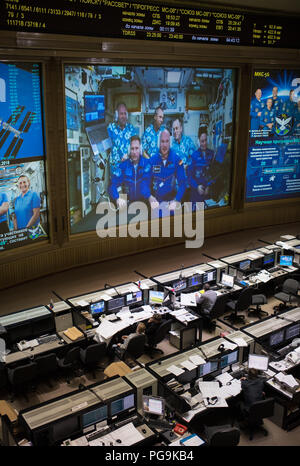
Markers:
(173, 77)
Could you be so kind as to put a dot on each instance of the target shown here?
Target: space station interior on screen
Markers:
(273, 168)
(155, 134)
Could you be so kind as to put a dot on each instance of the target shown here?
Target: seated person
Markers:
(206, 300)
(252, 388)
(140, 329)
(152, 326)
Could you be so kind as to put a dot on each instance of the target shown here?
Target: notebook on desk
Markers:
(73, 333)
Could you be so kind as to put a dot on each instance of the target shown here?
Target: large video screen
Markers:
(145, 133)
(273, 168)
(23, 198)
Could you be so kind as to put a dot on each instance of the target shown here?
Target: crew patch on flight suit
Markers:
(156, 169)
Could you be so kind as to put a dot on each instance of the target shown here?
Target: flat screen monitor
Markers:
(179, 285)
(64, 429)
(156, 297)
(245, 265)
(210, 276)
(227, 280)
(92, 417)
(208, 368)
(292, 332)
(122, 404)
(94, 108)
(258, 361)
(229, 359)
(286, 260)
(276, 338)
(153, 405)
(232, 271)
(116, 303)
(97, 308)
(239, 275)
(135, 297)
(269, 260)
(195, 280)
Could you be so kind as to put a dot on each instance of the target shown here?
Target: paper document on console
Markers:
(231, 390)
(188, 365)
(82, 303)
(192, 441)
(229, 346)
(209, 389)
(188, 299)
(128, 435)
(179, 312)
(224, 378)
(288, 380)
(175, 370)
(107, 329)
(240, 342)
(195, 359)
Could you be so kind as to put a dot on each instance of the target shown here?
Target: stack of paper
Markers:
(195, 359)
(288, 380)
(188, 365)
(240, 342)
(175, 370)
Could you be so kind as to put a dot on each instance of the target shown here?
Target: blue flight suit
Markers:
(256, 107)
(267, 116)
(167, 182)
(184, 149)
(288, 107)
(277, 105)
(120, 139)
(150, 139)
(133, 179)
(24, 206)
(198, 173)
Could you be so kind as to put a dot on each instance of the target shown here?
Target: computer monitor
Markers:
(97, 308)
(227, 280)
(94, 108)
(268, 260)
(122, 404)
(156, 297)
(153, 405)
(179, 285)
(276, 338)
(116, 303)
(292, 332)
(232, 271)
(245, 265)
(94, 416)
(286, 260)
(65, 428)
(135, 297)
(258, 361)
(210, 277)
(229, 359)
(208, 368)
(195, 280)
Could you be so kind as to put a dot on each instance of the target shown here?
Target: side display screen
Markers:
(23, 195)
(273, 168)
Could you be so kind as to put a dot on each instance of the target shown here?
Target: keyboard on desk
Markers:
(136, 309)
(47, 339)
(274, 269)
(159, 423)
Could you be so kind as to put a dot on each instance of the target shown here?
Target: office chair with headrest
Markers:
(21, 377)
(217, 311)
(159, 336)
(69, 361)
(92, 354)
(46, 365)
(135, 348)
(222, 436)
(289, 291)
(241, 304)
(257, 300)
(258, 411)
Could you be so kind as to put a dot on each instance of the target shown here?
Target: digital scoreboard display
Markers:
(136, 20)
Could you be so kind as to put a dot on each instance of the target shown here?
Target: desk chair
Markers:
(257, 300)
(289, 290)
(21, 377)
(135, 348)
(222, 436)
(242, 303)
(91, 356)
(3, 376)
(159, 336)
(258, 411)
(46, 365)
(216, 311)
(69, 361)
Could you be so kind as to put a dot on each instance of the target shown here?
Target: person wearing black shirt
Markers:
(152, 326)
